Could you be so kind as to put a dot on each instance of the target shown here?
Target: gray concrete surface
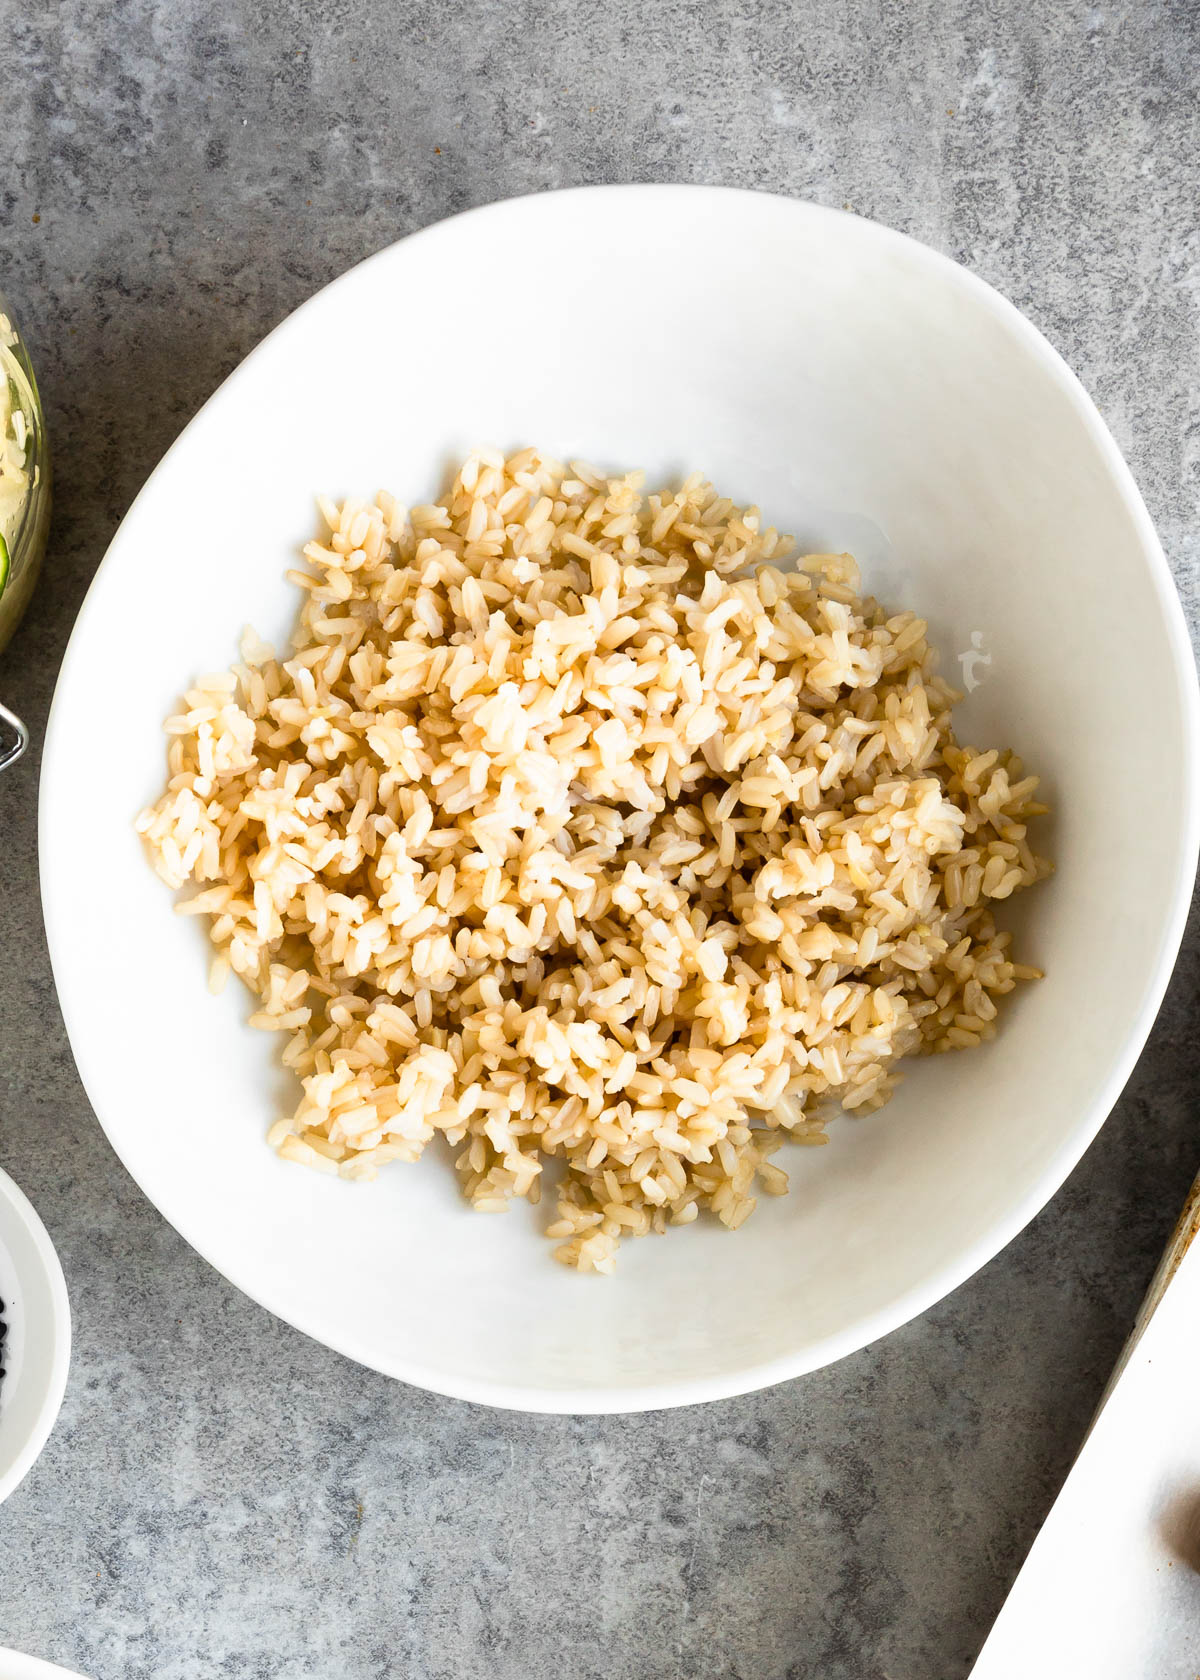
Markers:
(223, 1497)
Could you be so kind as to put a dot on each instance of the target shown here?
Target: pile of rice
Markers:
(573, 826)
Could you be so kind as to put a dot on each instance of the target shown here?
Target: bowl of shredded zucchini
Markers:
(24, 500)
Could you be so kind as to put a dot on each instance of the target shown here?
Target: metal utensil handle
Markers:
(11, 753)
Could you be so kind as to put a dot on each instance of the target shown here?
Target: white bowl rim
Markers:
(947, 1278)
(15, 1665)
(55, 1377)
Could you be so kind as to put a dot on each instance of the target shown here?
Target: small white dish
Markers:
(37, 1348)
(869, 395)
(14, 1665)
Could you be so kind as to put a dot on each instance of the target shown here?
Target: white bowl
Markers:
(37, 1349)
(869, 395)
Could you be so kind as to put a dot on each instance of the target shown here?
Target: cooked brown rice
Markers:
(573, 826)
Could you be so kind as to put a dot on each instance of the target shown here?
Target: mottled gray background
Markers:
(223, 1497)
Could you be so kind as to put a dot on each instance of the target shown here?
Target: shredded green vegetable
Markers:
(14, 434)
